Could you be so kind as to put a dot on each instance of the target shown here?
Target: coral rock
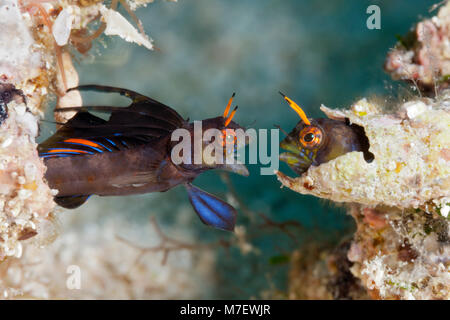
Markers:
(410, 168)
(400, 201)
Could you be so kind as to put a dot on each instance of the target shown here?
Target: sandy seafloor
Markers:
(314, 51)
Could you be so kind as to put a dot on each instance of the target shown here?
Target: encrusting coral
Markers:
(423, 55)
(25, 199)
(401, 254)
(323, 273)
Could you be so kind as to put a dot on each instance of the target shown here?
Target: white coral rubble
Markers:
(25, 200)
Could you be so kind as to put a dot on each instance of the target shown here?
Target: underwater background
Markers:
(314, 51)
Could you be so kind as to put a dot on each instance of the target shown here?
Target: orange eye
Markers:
(228, 137)
(311, 137)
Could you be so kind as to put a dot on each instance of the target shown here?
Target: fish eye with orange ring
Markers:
(311, 137)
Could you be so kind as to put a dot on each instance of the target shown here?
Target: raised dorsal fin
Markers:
(143, 121)
(142, 107)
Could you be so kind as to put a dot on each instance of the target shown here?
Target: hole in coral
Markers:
(363, 141)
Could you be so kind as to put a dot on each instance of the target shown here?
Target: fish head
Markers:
(316, 141)
(221, 137)
(220, 143)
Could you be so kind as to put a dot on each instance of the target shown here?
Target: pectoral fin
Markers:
(71, 202)
(211, 210)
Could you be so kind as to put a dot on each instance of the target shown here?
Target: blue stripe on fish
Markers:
(64, 153)
(111, 142)
(85, 145)
(54, 155)
(101, 144)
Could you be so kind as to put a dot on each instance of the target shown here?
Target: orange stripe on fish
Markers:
(66, 150)
(85, 142)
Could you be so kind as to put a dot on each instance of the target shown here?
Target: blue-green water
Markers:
(314, 51)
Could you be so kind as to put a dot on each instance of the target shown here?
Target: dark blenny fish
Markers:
(131, 154)
(316, 141)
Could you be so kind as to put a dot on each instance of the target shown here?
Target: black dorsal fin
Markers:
(141, 105)
(143, 121)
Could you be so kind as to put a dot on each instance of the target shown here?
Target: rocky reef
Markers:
(25, 199)
(410, 167)
(323, 272)
(423, 55)
(400, 201)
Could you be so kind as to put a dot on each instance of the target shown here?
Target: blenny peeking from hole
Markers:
(130, 153)
(316, 141)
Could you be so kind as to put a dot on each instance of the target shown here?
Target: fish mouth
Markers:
(294, 156)
(226, 162)
(237, 166)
